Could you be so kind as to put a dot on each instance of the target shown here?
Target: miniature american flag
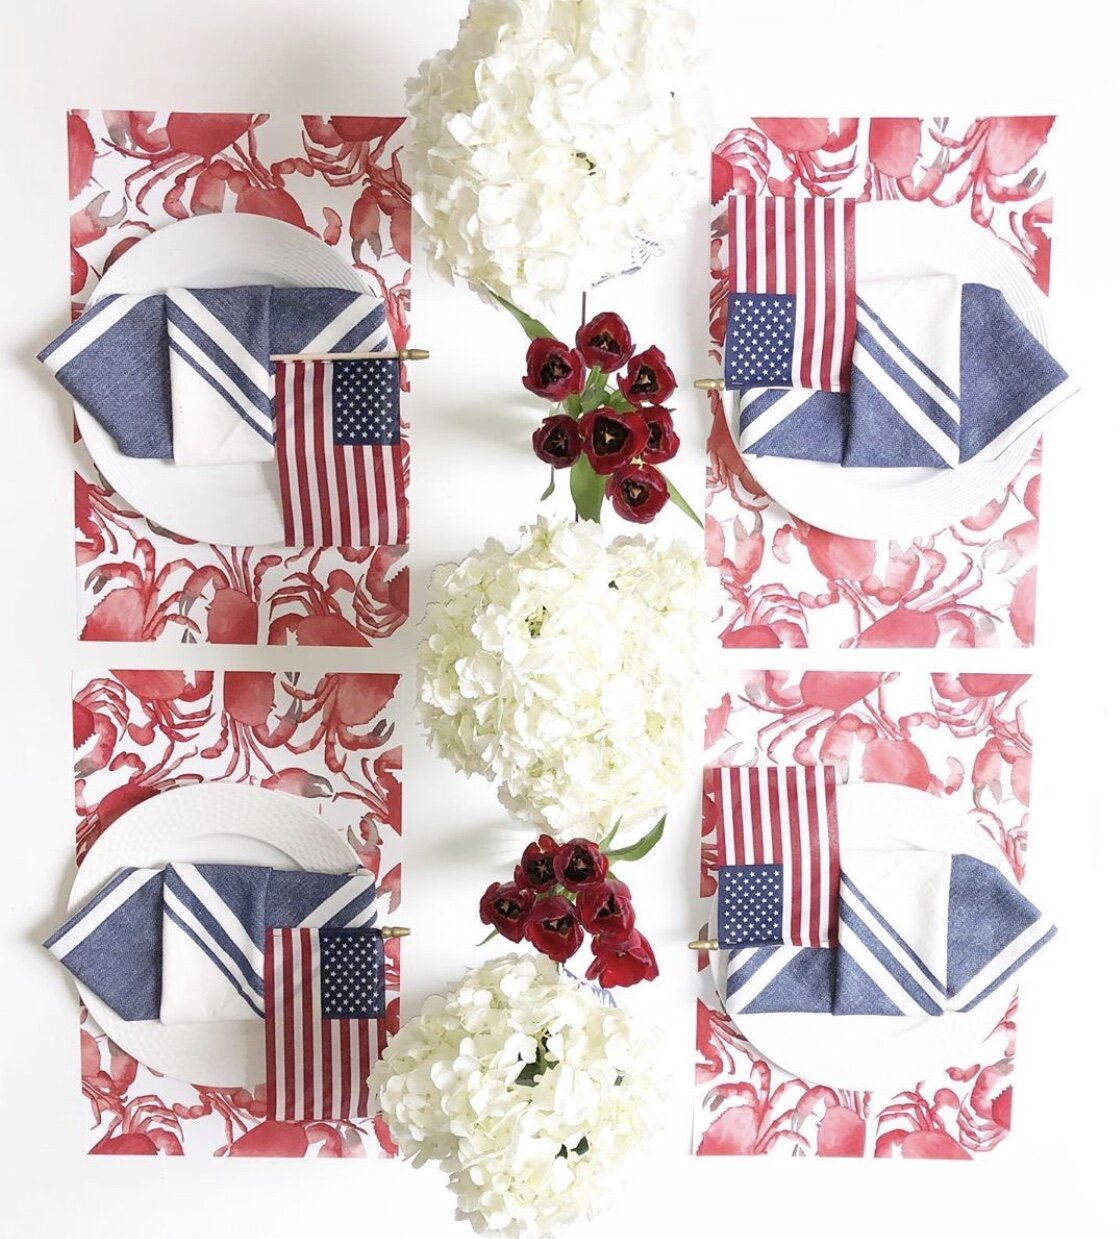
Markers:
(778, 849)
(324, 992)
(791, 318)
(339, 453)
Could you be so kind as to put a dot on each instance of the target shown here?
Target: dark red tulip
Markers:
(554, 929)
(553, 370)
(557, 441)
(506, 907)
(621, 963)
(536, 871)
(605, 910)
(663, 439)
(648, 379)
(612, 439)
(605, 342)
(579, 864)
(638, 493)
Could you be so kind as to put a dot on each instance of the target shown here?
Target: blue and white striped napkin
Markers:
(920, 933)
(188, 375)
(185, 944)
(114, 361)
(942, 374)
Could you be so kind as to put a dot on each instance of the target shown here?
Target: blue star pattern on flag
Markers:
(366, 403)
(350, 971)
(760, 333)
(750, 904)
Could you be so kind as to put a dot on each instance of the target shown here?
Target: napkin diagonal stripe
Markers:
(94, 322)
(920, 372)
(353, 329)
(213, 925)
(92, 915)
(174, 911)
(748, 974)
(213, 375)
(208, 331)
(998, 969)
(888, 968)
(888, 932)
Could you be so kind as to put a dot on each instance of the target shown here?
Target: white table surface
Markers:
(473, 476)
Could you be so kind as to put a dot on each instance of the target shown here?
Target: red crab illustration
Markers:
(379, 796)
(144, 782)
(806, 146)
(346, 706)
(252, 729)
(213, 153)
(913, 1127)
(234, 589)
(136, 609)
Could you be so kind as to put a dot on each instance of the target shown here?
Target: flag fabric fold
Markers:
(921, 933)
(778, 852)
(791, 317)
(339, 453)
(325, 992)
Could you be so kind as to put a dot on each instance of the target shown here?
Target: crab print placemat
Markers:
(337, 177)
(332, 740)
(963, 738)
(786, 583)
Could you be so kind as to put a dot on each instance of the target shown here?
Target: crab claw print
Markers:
(962, 738)
(785, 584)
(330, 740)
(337, 177)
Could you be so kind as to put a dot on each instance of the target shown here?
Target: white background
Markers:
(473, 477)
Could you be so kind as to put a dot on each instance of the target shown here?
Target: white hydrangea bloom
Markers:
(573, 672)
(527, 1090)
(556, 144)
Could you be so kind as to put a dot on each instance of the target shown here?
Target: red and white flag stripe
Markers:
(807, 247)
(332, 495)
(785, 815)
(314, 1068)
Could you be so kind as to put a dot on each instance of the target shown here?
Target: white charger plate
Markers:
(880, 1052)
(233, 505)
(899, 239)
(216, 823)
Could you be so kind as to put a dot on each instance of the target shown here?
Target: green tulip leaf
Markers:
(681, 502)
(551, 485)
(588, 488)
(643, 847)
(532, 327)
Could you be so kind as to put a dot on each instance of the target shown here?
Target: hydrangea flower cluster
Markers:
(527, 1089)
(572, 671)
(556, 144)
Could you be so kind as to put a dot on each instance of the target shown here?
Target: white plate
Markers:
(899, 239)
(227, 823)
(879, 1052)
(233, 505)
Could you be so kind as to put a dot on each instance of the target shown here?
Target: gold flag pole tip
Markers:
(708, 384)
(395, 931)
(704, 944)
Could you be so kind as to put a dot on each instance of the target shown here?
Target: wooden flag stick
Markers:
(395, 931)
(708, 384)
(405, 354)
(704, 944)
